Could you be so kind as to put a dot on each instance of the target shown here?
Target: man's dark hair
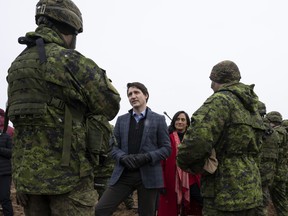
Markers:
(140, 86)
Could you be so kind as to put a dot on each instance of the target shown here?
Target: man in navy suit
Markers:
(141, 142)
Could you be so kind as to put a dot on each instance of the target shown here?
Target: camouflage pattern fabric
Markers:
(284, 123)
(36, 94)
(269, 155)
(61, 11)
(228, 121)
(106, 164)
(274, 116)
(282, 162)
(215, 212)
(268, 160)
(278, 190)
(225, 72)
(79, 202)
(102, 174)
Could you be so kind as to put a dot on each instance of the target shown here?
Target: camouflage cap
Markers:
(261, 108)
(225, 72)
(274, 116)
(63, 11)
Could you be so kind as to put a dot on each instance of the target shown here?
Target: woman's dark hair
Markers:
(171, 127)
(140, 86)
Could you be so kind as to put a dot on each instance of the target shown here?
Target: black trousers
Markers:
(5, 201)
(115, 194)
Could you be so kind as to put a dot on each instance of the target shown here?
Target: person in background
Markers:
(226, 134)
(278, 190)
(142, 142)
(57, 101)
(175, 197)
(5, 173)
(10, 130)
(268, 160)
(284, 124)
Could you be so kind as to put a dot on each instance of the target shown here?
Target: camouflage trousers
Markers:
(262, 210)
(215, 212)
(279, 198)
(79, 202)
(209, 210)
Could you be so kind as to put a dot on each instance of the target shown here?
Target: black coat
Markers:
(5, 154)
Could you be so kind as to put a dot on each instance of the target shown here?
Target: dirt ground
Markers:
(121, 211)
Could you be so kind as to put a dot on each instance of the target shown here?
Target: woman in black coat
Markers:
(5, 173)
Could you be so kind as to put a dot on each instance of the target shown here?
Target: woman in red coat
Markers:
(175, 197)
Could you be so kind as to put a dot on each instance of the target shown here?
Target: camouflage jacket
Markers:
(47, 97)
(269, 155)
(282, 162)
(229, 122)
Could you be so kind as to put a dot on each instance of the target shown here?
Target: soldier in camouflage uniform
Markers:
(278, 188)
(228, 122)
(268, 159)
(104, 170)
(285, 124)
(56, 96)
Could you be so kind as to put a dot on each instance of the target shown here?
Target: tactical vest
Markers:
(270, 147)
(37, 81)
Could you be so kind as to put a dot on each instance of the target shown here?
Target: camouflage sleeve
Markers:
(207, 124)
(105, 98)
(282, 162)
(100, 95)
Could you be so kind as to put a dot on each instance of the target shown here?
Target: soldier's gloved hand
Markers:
(142, 159)
(129, 162)
(21, 199)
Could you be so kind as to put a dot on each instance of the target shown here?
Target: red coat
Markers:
(175, 189)
(10, 130)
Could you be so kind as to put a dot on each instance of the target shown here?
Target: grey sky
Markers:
(171, 46)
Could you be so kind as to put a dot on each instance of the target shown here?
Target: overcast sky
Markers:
(171, 46)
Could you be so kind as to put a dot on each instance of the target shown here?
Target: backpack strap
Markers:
(39, 42)
(41, 50)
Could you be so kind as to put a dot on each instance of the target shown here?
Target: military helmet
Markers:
(261, 108)
(63, 11)
(274, 116)
(285, 123)
(225, 72)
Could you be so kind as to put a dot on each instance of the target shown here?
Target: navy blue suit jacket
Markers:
(155, 140)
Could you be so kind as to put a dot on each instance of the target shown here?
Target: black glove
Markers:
(142, 159)
(135, 161)
(163, 191)
(21, 199)
(129, 162)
